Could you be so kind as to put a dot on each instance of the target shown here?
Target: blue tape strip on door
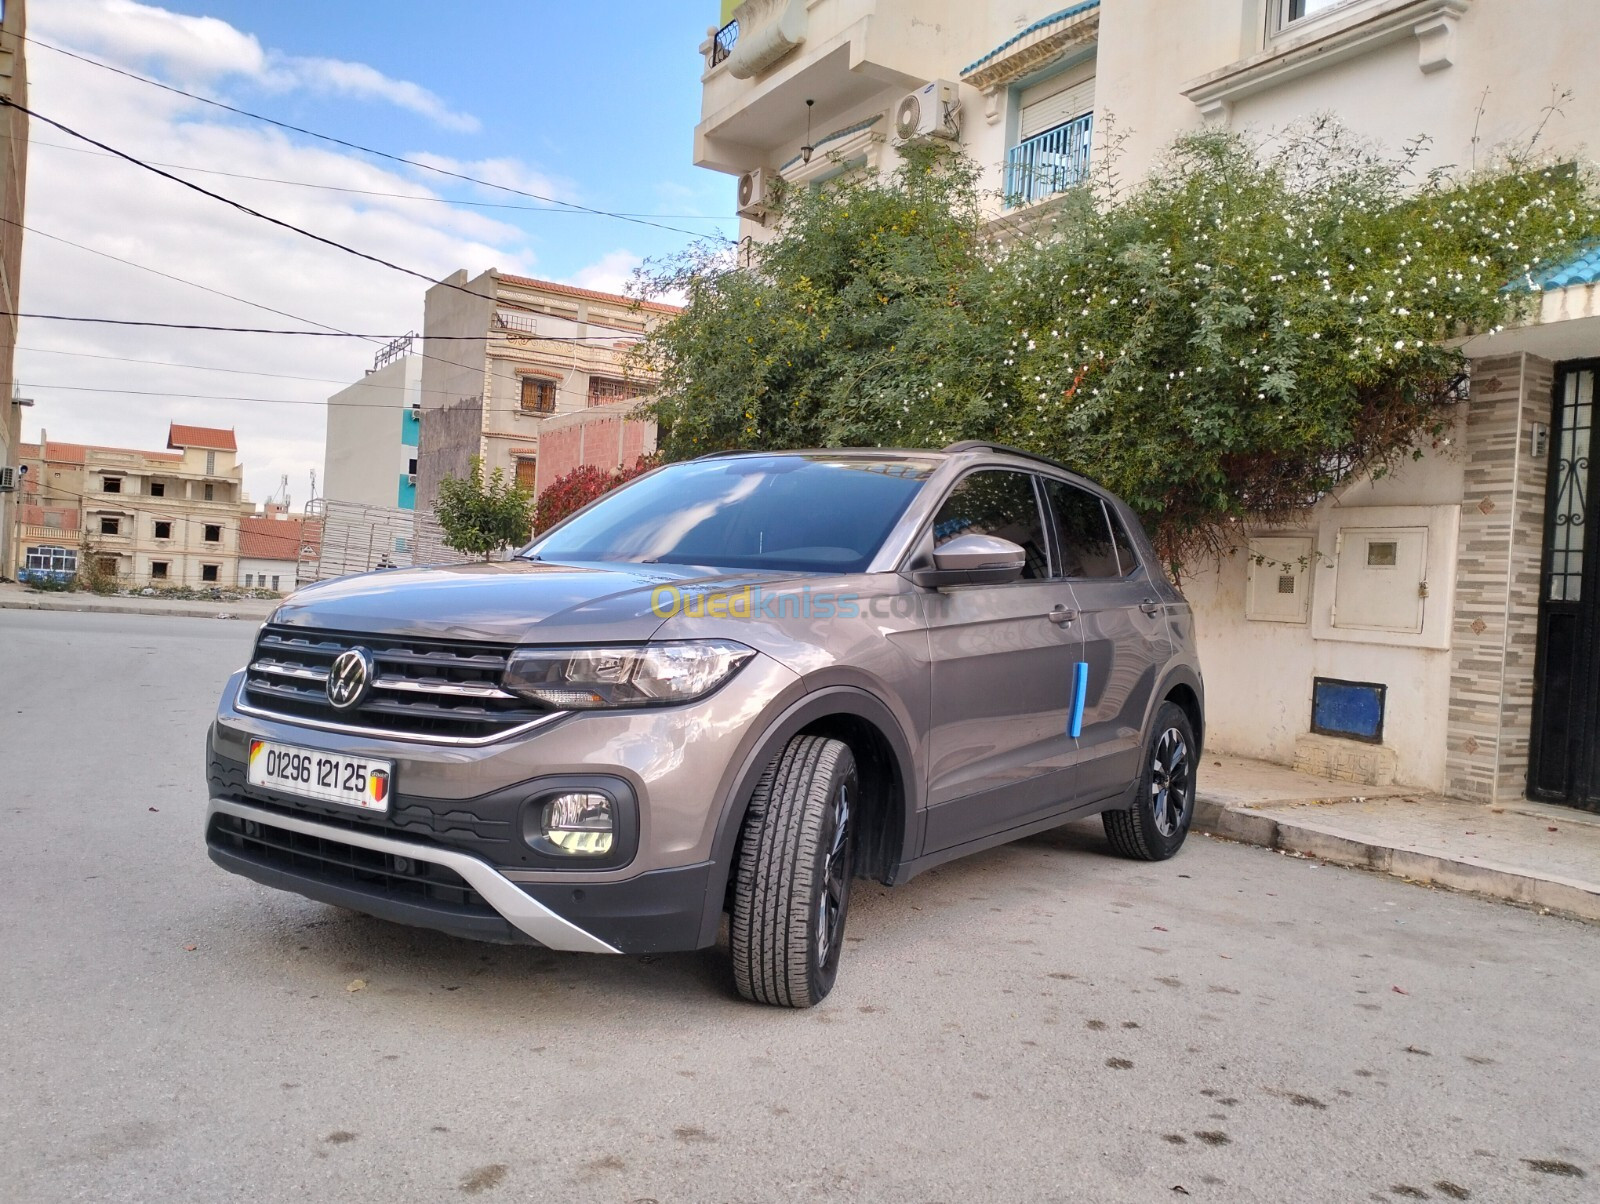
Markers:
(1080, 691)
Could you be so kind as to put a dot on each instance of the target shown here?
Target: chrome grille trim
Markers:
(241, 705)
(426, 690)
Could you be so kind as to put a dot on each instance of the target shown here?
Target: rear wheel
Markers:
(792, 885)
(1154, 828)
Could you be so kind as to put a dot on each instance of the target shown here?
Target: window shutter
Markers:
(1047, 105)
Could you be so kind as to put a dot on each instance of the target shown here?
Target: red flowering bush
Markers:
(575, 490)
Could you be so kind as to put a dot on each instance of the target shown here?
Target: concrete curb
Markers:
(1579, 900)
(186, 612)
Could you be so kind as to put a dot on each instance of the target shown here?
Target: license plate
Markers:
(328, 777)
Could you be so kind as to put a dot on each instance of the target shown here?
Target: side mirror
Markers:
(972, 560)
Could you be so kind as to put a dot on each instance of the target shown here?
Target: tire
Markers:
(792, 885)
(1154, 828)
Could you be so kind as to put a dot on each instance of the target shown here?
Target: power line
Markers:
(317, 334)
(127, 359)
(282, 313)
(372, 192)
(367, 150)
(239, 205)
(287, 401)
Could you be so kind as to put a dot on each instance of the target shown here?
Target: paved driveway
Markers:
(1041, 1022)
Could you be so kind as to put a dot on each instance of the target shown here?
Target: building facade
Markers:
(1439, 628)
(509, 355)
(13, 192)
(144, 518)
(373, 432)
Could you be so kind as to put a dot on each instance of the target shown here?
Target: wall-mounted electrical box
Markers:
(1380, 578)
(1278, 578)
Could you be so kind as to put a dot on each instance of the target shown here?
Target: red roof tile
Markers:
(571, 290)
(276, 538)
(201, 436)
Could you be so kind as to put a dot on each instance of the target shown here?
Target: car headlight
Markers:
(645, 675)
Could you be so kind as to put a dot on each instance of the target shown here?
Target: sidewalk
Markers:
(1529, 853)
(20, 597)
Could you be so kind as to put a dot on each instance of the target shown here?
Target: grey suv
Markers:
(731, 686)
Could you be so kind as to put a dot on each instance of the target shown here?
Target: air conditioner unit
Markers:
(416, 410)
(929, 112)
(755, 193)
(411, 478)
(8, 479)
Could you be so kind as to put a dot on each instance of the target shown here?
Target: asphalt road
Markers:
(1042, 1022)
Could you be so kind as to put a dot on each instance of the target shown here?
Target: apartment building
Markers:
(13, 192)
(373, 431)
(1440, 633)
(507, 355)
(156, 518)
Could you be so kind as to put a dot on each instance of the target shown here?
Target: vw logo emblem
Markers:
(350, 677)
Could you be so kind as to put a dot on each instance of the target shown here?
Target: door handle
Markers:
(1150, 606)
(1062, 616)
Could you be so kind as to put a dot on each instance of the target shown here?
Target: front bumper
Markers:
(428, 886)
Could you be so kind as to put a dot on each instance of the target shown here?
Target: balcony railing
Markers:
(722, 43)
(1048, 163)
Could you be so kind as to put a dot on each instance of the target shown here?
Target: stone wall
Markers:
(1497, 580)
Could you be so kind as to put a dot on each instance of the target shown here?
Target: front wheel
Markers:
(792, 889)
(1153, 829)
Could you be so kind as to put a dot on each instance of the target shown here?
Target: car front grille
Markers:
(403, 878)
(441, 690)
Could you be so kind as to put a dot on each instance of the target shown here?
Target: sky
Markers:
(593, 104)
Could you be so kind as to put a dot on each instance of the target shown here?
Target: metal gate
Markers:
(1564, 757)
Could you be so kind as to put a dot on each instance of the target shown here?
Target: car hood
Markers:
(515, 601)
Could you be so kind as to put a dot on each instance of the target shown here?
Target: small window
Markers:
(109, 525)
(213, 533)
(211, 463)
(411, 466)
(112, 485)
(527, 467)
(1087, 545)
(1298, 10)
(538, 395)
(274, 582)
(1383, 553)
(249, 580)
(208, 572)
(995, 502)
(211, 492)
(158, 489)
(163, 529)
(158, 570)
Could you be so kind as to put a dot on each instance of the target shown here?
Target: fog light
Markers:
(581, 824)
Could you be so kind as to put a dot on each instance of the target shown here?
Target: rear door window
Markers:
(1084, 532)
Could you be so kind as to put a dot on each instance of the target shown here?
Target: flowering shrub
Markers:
(1226, 340)
(572, 491)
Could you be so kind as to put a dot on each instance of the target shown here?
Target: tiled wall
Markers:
(1497, 580)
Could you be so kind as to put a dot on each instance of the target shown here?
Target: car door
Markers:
(1123, 627)
(1001, 663)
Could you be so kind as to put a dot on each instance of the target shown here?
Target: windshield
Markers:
(812, 513)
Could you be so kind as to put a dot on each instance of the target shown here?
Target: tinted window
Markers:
(999, 503)
(1087, 549)
(816, 513)
(1119, 535)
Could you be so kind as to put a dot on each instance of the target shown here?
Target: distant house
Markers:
(273, 546)
(147, 518)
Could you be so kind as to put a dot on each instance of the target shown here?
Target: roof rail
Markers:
(972, 445)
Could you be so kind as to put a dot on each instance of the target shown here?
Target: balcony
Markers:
(722, 43)
(1048, 163)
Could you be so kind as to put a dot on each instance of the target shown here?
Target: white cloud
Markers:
(111, 205)
(506, 173)
(343, 78)
(206, 50)
(611, 274)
